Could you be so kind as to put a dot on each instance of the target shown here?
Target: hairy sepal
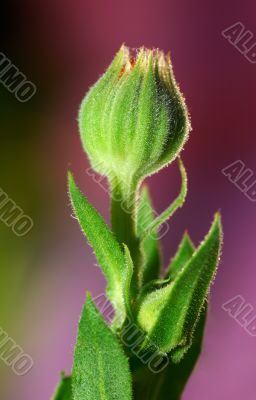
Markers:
(169, 315)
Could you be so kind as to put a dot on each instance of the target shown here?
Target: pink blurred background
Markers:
(63, 47)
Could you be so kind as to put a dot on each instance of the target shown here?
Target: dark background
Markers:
(63, 47)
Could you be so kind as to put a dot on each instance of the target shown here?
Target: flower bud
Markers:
(134, 120)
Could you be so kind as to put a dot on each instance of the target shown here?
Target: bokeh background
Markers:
(63, 47)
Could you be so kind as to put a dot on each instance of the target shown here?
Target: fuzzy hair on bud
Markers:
(134, 120)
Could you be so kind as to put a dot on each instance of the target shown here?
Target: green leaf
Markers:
(177, 203)
(169, 315)
(150, 246)
(64, 389)
(182, 256)
(170, 383)
(107, 250)
(101, 370)
(177, 375)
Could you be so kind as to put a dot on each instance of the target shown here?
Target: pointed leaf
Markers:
(177, 203)
(101, 370)
(106, 248)
(64, 390)
(169, 315)
(150, 246)
(183, 254)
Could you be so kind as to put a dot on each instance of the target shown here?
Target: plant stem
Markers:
(123, 219)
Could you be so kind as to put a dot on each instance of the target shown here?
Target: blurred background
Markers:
(63, 47)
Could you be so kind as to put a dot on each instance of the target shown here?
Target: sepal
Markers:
(169, 315)
(182, 256)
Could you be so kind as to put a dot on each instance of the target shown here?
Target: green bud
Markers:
(134, 120)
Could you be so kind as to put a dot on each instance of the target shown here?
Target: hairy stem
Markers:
(123, 219)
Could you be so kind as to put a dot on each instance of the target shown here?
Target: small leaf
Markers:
(169, 315)
(150, 246)
(177, 375)
(101, 370)
(64, 390)
(177, 203)
(182, 256)
(107, 249)
(170, 383)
